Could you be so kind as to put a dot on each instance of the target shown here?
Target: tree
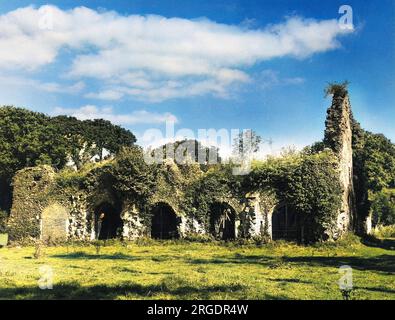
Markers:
(383, 208)
(78, 143)
(30, 138)
(26, 139)
(246, 143)
(107, 136)
(193, 150)
(90, 138)
(374, 169)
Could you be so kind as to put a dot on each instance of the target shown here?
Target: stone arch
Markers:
(285, 223)
(104, 218)
(222, 220)
(165, 222)
(107, 220)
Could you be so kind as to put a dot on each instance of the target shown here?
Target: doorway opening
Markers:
(285, 223)
(222, 221)
(164, 223)
(108, 222)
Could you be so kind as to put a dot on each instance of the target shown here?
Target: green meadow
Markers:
(190, 270)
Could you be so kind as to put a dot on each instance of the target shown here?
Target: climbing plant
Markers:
(307, 182)
(218, 184)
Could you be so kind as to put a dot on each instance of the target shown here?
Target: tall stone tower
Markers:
(338, 136)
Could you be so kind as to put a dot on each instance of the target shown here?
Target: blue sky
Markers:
(204, 64)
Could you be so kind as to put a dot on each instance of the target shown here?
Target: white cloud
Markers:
(52, 87)
(136, 117)
(141, 56)
(106, 95)
(269, 78)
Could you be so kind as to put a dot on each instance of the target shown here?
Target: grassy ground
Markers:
(180, 270)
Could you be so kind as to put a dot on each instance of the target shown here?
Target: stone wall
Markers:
(44, 210)
(338, 135)
(54, 223)
(30, 197)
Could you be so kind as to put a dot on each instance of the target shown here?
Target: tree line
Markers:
(30, 138)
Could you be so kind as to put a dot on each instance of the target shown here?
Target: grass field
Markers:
(181, 270)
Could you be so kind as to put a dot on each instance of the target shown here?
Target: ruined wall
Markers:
(256, 216)
(53, 207)
(338, 135)
(54, 223)
(30, 197)
(41, 209)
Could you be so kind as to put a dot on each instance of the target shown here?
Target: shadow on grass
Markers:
(88, 256)
(290, 280)
(74, 290)
(387, 244)
(382, 263)
(381, 290)
(236, 259)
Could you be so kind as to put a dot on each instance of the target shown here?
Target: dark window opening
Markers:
(165, 223)
(222, 221)
(108, 222)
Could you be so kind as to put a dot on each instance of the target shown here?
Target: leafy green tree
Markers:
(106, 136)
(383, 208)
(377, 161)
(26, 139)
(78, 143)
(30, 138)
(90, 138)
(192, 150)
(374, 169)
(246, 144)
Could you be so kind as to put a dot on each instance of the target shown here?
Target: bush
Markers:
(198, 237)
(144, 241)
(385, 232)
(337, 89)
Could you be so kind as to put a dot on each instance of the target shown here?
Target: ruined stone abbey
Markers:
(41, 211)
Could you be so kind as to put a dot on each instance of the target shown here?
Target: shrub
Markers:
(337, 89)
(145, 241)
(385, 231)
(198, 237)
